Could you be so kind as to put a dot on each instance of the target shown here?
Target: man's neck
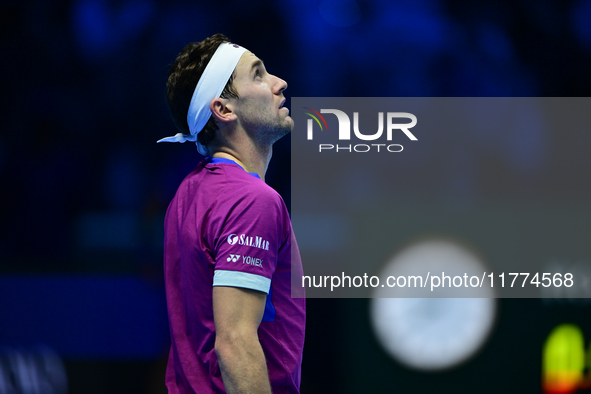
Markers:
(252, 160)
(234, 143)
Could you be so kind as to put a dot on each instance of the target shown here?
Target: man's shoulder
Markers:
(228, 185)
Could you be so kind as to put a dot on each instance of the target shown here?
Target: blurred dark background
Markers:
(85, 187)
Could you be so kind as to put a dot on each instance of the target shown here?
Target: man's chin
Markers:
(285, 126)
(291, 124)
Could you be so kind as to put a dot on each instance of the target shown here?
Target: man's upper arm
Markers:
(237, 309)
(237, 315)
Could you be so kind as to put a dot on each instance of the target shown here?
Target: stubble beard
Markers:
(266, 130)
(267, 135)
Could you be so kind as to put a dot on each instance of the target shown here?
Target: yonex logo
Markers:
(232, 239)
(233, 257)
(252, 261)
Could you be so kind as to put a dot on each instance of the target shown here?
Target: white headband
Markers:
(210, 86)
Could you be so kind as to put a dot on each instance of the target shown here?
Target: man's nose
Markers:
(280, 85)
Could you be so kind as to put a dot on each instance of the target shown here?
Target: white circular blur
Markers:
(433, 333)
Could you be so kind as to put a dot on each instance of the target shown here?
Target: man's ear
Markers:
(222, 110)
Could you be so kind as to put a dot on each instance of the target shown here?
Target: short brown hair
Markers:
(182, 80)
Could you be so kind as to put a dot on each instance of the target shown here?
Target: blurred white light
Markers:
(433, 333)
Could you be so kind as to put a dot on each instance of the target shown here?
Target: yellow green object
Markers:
(563, 360)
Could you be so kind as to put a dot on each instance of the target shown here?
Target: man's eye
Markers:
(257, 74)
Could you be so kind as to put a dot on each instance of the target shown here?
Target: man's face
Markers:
(260, 108)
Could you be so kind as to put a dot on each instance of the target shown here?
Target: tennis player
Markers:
(228, 260)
